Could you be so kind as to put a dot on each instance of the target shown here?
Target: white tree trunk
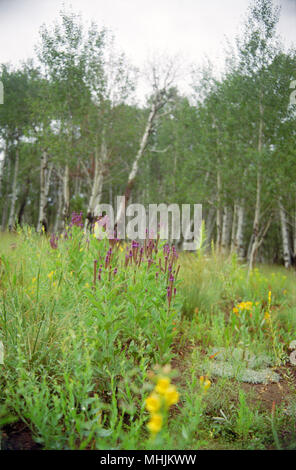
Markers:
(58, 219)
(158, 102)
(66, 195)
(233, 229)
(219, 213)
(2, 164)
(285, 236)
(98, 181)
(45, 175)
(5, 208)
(258, 192)
(239, 238)
(11, 219)
(77, 180)
(256, 222)
(226, 230)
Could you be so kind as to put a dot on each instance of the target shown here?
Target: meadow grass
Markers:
(89, 329)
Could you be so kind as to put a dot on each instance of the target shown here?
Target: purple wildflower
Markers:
(53, 242)
(150, 261)
(76, 219)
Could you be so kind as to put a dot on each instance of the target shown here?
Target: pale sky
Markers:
(191, 29)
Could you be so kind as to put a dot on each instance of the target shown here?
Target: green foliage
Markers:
(71, 343)
(245, 417)
(77, 353)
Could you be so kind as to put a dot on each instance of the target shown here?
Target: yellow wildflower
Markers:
(171, 395)
(269, 296)
(207, 384)
(162, 385)
(204, 382)
(160, 399)
(153, 403)
(50, 274)
(155, 423)
(235, 310)
(267, 316)
(246, 305)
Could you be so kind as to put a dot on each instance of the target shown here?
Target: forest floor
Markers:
(81, 357)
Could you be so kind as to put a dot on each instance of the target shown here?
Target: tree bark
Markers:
(258, 192)
(158, 102)
(219, 213)
(256, 222)
(23, 202)
(45, 175)
(59, 214)
(2, 165)
(5, 183)
(66, 195)
(239, 238)
(285, 236)
(233, 229)
(11, 218)
(98, 180)
(77, 180)
(226, 230)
